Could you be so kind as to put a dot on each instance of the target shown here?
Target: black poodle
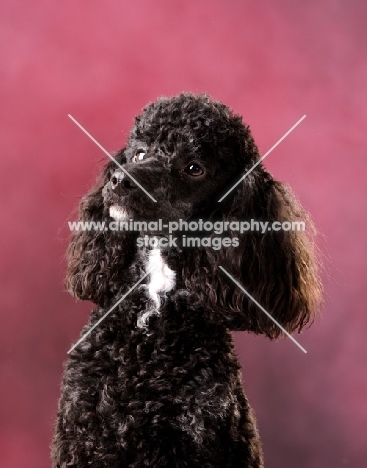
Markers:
(157, 383)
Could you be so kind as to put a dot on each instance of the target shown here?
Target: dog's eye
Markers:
(194, 170)
(140, 155)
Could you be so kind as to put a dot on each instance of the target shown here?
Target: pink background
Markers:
(272, 61)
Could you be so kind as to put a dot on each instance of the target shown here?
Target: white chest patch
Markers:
(162, 280)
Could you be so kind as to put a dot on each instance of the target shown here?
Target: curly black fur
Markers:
(158, 384)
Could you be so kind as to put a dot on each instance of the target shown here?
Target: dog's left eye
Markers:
(140, 155)
(194, 170)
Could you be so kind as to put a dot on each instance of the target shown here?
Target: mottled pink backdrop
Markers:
(272, 61)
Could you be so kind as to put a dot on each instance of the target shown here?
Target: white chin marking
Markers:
(118, 213)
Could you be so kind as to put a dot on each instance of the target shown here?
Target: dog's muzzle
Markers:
(121, 184)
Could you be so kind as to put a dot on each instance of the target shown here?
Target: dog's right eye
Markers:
(139, 155)
(194, 170)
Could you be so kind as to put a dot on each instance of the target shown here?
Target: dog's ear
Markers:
(278, 268)
(96, 257)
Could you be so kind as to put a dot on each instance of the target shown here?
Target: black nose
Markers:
(121, 183)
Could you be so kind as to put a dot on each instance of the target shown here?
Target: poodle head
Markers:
(187, 152)
(184, 151)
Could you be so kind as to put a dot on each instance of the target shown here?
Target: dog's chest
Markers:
(162, 278)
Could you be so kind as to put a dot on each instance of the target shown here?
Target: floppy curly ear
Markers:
(278, 268)
(96, 257)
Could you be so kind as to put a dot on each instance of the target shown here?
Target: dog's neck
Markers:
(162, 277)
(161, 280)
